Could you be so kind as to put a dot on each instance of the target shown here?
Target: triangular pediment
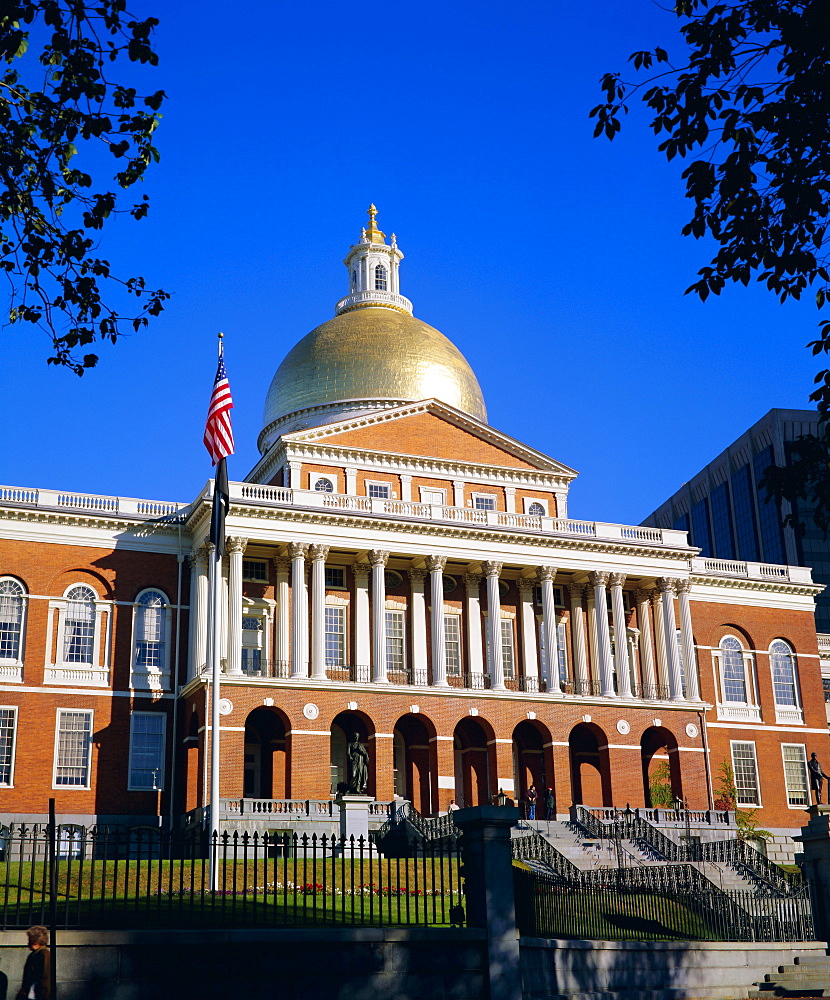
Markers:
(431, 429)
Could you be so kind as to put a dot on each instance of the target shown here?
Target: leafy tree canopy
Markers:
(61, 117)
(747, 106)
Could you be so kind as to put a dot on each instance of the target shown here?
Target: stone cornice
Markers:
(763, 586)
(138, 528)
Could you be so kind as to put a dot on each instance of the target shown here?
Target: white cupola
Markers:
(373, 272)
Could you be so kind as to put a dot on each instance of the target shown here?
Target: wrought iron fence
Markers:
(546, 907)
(119, 878)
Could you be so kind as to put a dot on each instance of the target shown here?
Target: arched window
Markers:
(733, 674)
(380, 278)
(536, 509)
(784, 682)
(150, 631)
(12, 597)
(324, 485)
(79, 625)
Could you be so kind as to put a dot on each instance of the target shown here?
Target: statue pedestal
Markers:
(815, 841)
(354, 817)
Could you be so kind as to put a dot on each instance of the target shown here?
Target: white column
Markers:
(236, 546)
(494, 661)
(362, 646)
(295, 475)
(683, 588)
(616, 581)
(418, 626)
(592, 639)
(458, 492)
(377, 560)
(666, 588)
(646, 644)
(351, 482)
(435, 565)
(475, 653)
(299, 610)
(198, 612)
(598, 582)
(318, 555)
(576, 591)
(406, 487)
(510, 499)
(283, 621)
(545, 575)
(660, 644)
(530, 658)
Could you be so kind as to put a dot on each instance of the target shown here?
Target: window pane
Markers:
(484, 503)
(335, 578)
(79, 626)
(507, 658)
(8, 718)
(147, 750)
(783, 673)
(745, 523)
(536, 509)
(323, 485)
(394, 641)
(746, 774)
(335, 637)
(255, 569)
(701, 528)
(721, 522)
(452, 639)
(378, 490)
(74, 742)
(795, 775)
(732, 668)
(149, 651)
(769, 511)
(380, 278)
(11, 619)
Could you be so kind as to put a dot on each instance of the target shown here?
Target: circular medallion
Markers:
(623, 728)
(225, 706)
(691, 730)
(311, 711)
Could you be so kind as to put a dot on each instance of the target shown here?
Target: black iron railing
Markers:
(145, 878)
(547, 907)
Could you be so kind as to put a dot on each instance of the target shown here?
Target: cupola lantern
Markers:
(373, 272)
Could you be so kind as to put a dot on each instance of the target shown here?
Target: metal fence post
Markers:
(53, 897)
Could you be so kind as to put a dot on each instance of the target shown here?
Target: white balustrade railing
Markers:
(751, 570)
(370, 297)
(88, 501)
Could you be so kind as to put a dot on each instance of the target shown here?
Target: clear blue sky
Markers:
(554, 261)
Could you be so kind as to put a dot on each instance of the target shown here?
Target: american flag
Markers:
(218, 430)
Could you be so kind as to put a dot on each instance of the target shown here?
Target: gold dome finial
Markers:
(374, 234)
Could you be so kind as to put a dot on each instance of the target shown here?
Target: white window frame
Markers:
(369, 484)
(13, 749)
(400, 616)
(528, 502)
(255, 579)
(799, 746)
(736, 711)
(59, 712)
(751, 743)
(455, 617)
(11, 667)
(793, 714)
(144, 678)
(424, 492)
(95, 674)
(380, 276)
(254, 609)
(508, 664)
(161, 779)
(486, 498)
(342, 631)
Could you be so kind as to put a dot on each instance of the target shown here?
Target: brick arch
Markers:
(266, 755)
(658, 742)
(731, 628)
(590, 765)
(532, 761)
(102, 587)
(474, 744)
(415, 756)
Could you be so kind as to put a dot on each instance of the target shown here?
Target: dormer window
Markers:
(380, 278)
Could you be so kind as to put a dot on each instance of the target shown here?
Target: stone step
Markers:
(823, 960)
(794, 977)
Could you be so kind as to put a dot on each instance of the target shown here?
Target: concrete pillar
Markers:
(282, 623)
(418, 670)
(236, 546)
(362, 647)
(666, 588)
(576, 590)
(198, 612)
(598, 582)
(683, 589)
(620, 635)
(299, 610)
(475, 652)
(649, 678)
(815, 841)
(458, 492)
(489, 893)
(546, 575)
(318, 555)
(494, 661)
(530, 660)
(377, 560)
(435, 565)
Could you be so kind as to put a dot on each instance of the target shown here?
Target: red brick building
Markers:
(397, 568)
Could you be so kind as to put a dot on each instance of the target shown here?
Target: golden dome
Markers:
(374, 353)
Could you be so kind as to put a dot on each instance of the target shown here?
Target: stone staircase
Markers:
(807, 976)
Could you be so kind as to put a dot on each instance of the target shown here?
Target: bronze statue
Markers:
(816, 776)
(358, 766)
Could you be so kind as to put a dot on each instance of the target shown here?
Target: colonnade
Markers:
(667, 669)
